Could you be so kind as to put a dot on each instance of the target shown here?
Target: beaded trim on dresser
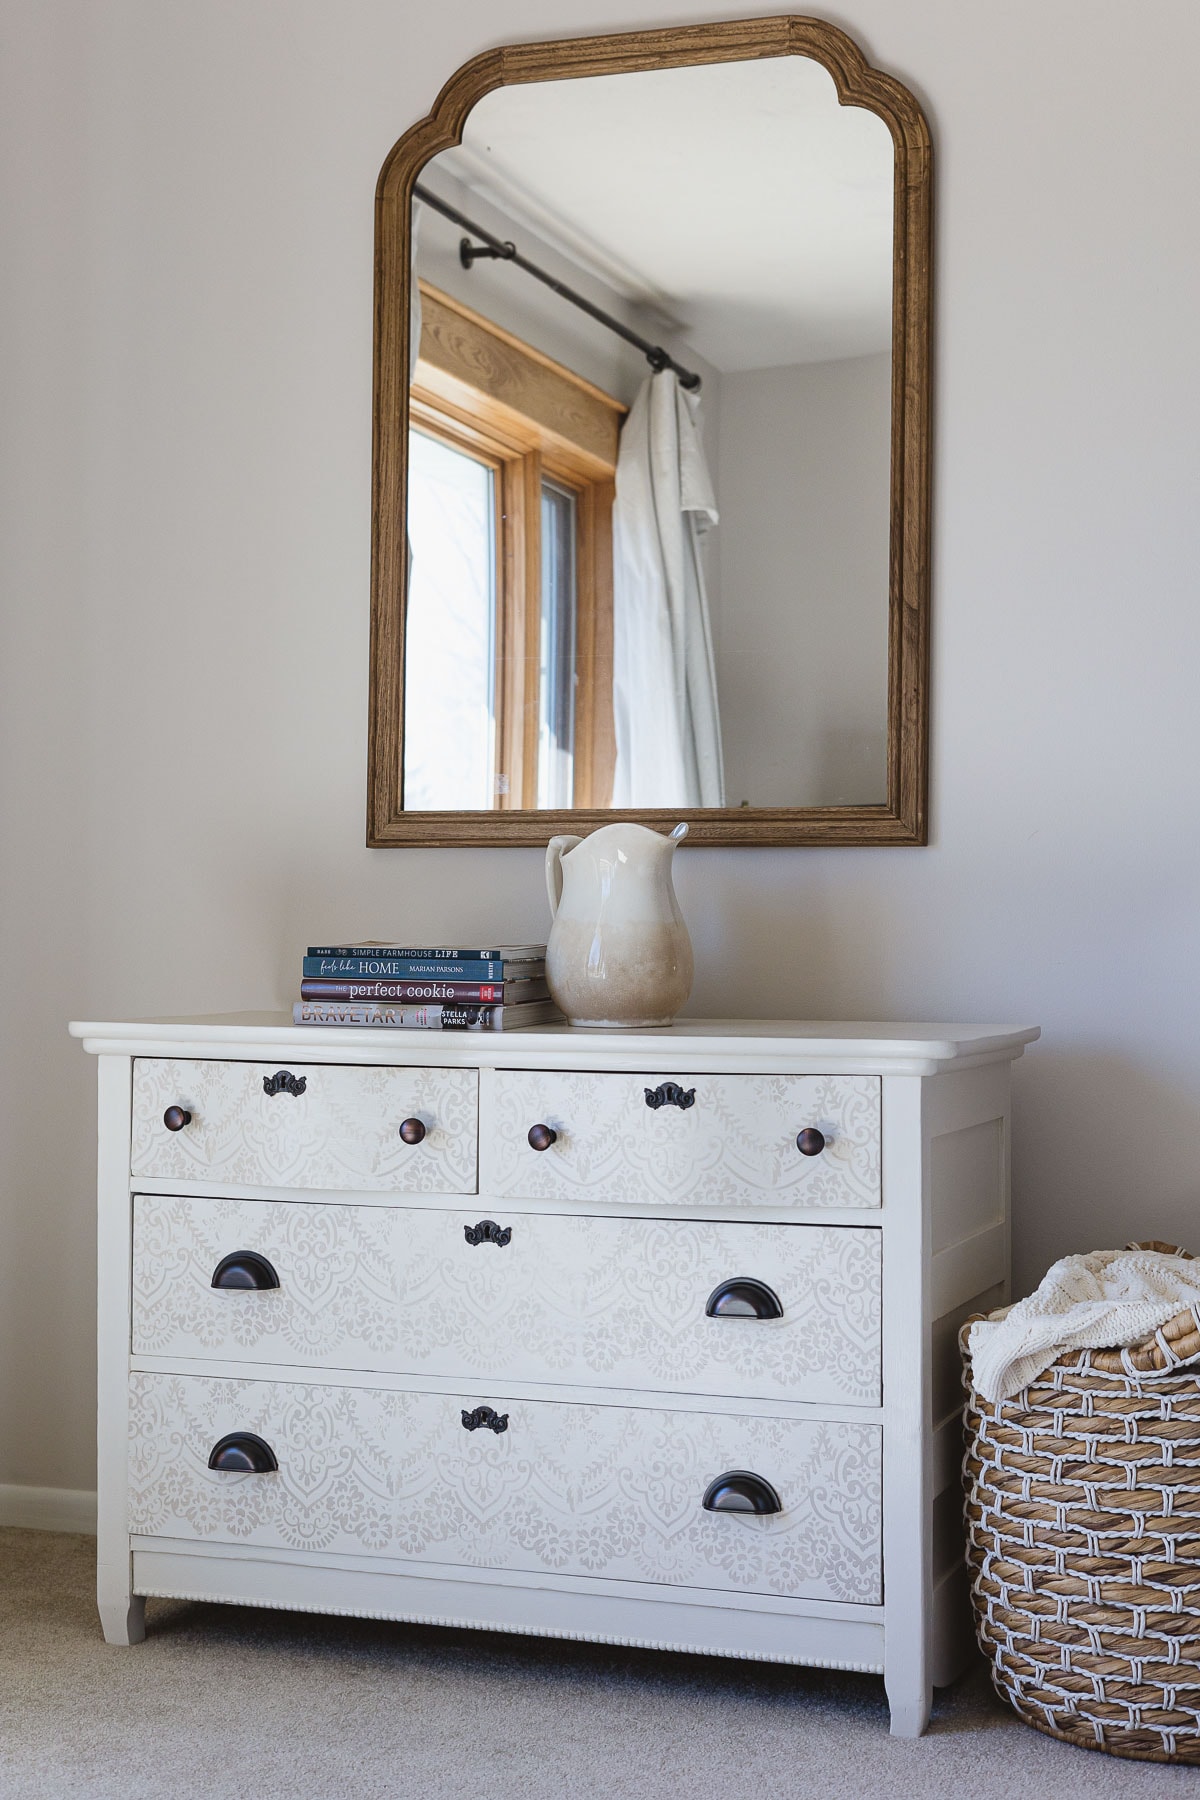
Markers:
(547, 1631)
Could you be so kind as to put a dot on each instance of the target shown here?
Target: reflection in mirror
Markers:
(649, 534)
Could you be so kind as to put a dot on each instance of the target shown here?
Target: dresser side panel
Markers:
(968, 1125)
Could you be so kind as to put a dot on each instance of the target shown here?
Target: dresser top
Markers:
(863, 1047)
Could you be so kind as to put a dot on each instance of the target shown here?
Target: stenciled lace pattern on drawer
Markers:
(340, 1268)
(343, 1131)
(615, 1300)
(736, 1144)
(585, 1490)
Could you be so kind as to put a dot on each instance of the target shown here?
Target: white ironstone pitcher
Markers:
(619, 951)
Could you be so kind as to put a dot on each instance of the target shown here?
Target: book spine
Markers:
(477, 993)
(399, 968)
(407, 1018)
(428, 954)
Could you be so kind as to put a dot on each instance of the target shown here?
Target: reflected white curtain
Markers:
(668, 731)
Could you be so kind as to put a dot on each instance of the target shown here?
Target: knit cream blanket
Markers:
(1108, 1299)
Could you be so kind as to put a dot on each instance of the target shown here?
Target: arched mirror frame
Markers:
(901, 820)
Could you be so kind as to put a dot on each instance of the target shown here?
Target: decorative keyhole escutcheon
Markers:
(488, 1232)
(669, 1093)
(284, 1082)
(486, 1417)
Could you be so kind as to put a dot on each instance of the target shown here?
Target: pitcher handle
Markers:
(556, 849)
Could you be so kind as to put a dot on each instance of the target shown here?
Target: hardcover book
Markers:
(429, 953)
(382, 967)
(425, 1018)
(493, 993)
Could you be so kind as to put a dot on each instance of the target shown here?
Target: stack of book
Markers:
(395, 985)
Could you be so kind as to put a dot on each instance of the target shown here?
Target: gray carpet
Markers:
(229, 1701)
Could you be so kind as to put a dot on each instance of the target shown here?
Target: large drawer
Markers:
(530, 1297)
(576, 1490)
(732, 1141)
(341, 1129)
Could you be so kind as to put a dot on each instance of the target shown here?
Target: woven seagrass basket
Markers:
(1083, 1541)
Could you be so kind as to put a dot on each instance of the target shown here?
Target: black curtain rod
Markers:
(503, 251)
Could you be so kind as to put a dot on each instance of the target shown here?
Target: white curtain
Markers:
(668, 730)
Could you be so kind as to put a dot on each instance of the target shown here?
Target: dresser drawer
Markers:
(314, 1126)
(627, 1138)
(587, 1301)
(574, 1490)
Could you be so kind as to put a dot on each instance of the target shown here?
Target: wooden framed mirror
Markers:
(652, 446)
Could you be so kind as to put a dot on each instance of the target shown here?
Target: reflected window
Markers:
(508, 622)
(556, 671)
(450, 653)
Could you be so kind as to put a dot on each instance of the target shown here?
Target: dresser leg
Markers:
(909, 1707)
(122, 1618)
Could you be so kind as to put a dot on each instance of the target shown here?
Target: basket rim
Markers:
(1170, 1347)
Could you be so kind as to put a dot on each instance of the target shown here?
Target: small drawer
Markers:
(603, 1491)
(519, 1297)
(703, 1140)
(314, 1125)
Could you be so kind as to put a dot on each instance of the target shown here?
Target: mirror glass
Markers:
(651, 574)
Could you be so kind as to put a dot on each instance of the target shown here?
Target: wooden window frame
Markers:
(483, 391)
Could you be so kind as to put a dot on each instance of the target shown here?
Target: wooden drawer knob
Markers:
(176, 1117)
(810, 1142)
(541, 1137)
(413, 1131)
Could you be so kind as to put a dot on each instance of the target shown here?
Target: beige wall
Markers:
(187, 413)
(804, 485)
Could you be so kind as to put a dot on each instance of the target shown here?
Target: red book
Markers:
(377, 992)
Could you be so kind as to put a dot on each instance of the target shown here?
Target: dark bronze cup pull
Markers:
(541, 1137)
(413, 1131)
(810, 1141)
(176, 1117)
(488, 1232)
(243, 1453)
(484, 1415)
(284, 1082)
(245, 1269)
(740, 1491)
(743, 1297)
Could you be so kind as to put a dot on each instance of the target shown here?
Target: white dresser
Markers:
(644, 1337)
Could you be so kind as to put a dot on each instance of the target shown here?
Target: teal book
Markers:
(380, 966)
